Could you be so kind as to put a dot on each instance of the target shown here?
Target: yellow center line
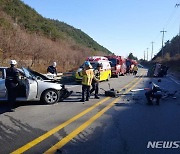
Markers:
(74, 133)
(56, 129)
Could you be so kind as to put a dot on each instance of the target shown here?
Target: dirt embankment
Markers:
(36, 51)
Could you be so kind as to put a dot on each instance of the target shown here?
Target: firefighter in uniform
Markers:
(87, 76)
(11, 83)
(95, 81)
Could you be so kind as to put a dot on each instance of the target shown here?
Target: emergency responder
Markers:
(52, 69)
(95, 81)
(135, 69)
(11, 83)
(87, 76)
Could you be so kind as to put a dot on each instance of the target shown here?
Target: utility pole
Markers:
(179, 41)
(147, 54)
(163, 31)
(144, 55)
(152, 50)
(177, 5)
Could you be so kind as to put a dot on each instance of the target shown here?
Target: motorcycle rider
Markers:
(153, 92)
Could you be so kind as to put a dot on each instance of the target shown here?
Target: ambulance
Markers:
(105, 72)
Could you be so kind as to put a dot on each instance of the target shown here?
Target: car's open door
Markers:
(31, 85)
(3, 90)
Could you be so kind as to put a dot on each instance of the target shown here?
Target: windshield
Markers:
(27, 73)
(94, 65)
(113, 62)
(36, 74)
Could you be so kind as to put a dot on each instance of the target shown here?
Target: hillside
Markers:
(34, 40)
(171, 54)
(170, 49)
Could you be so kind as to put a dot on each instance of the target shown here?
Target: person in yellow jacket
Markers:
(87, 76)
(135, 69)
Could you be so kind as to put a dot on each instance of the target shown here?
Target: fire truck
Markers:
(105, 72)
(118, 66)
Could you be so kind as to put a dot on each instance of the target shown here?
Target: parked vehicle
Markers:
(123, 66)
(105, 72)
(157, 70)
(117, 65)
(128, 65)
(34, 87)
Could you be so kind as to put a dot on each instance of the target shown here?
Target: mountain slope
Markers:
(171, 54)
(29, 19)
(172, 48)
(36, 42)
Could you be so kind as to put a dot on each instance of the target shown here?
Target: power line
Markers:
(170, 18)
(168, 21)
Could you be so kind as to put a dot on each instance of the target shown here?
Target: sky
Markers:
(121, 26)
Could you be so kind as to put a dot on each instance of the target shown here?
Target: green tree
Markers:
(131, 56)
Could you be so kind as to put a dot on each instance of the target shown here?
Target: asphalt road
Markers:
(122, 125)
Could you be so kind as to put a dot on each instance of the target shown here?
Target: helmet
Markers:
(13, 62)
(87, 64)
(99, 65)
(54, 64)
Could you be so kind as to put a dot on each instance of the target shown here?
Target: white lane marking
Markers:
(177, 82)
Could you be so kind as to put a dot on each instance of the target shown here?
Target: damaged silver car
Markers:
(34, 87)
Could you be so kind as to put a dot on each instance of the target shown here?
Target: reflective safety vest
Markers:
(96, 75)
(135, 68)
(87, 76)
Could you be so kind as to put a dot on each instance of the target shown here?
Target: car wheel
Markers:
(50, 96)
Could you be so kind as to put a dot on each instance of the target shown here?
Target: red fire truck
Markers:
(118, 66)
